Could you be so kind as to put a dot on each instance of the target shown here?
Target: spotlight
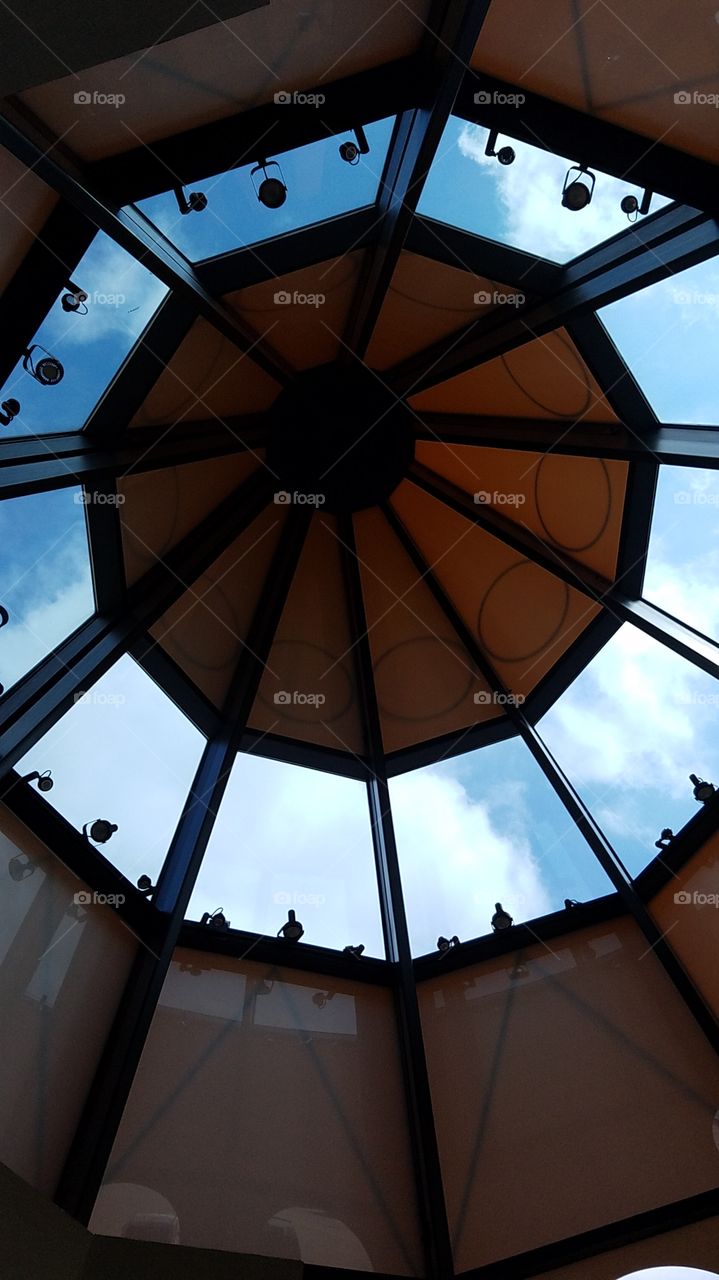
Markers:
(44, 780)
(505, 155)
(100, 831)
(665, 838)
(501, 918)
(47, 371)
(576, 193)
(351, 151)
(215, 919)
(570, 903)
(75, 300)
(272, 191)
(146, 886)
(632, 207)
(445, 944)
(9, 409)
(20, 867)
(292, 929)
(4, 616)
(194, 203)
(353, 951)
(703, 791)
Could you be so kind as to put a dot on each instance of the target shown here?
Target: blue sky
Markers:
(471, 830)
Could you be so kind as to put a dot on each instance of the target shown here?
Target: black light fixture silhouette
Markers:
(20, 867)
(47, 370)
(215, 919)
(576, 192)
(146, 886)
(501, 918)
(291, 930)
(665, 838)
(351, 151)
(505, 155)
(445, 944)
(100, 830)
(353, 951)
(4, 616)
(634, 208)
(272, 191)
(195, 202)
(703, 791)
(9, 409)
(75, 300)
(570, 903)
(44, 780)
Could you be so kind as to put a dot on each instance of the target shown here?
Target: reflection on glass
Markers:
(126, 754)
(628, 732)
(319, 185)
(90, 342)
(682, 574)
(520, 204)
(292, 839)
(45, 577)
(483, 828)
(668, 336)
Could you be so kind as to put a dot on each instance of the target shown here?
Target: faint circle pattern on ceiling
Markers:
(317, 672)
(578, 370)
(456, 672)
(544, 607)
(596, 510)
(192, 644)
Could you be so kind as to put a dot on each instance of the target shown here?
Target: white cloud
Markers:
(122, 297)
(61, 598)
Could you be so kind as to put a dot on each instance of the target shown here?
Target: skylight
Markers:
(682, 574)
(122, 296)
(519, 204)
(319, 185)
(45, 576)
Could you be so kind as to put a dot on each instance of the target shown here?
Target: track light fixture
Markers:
(272, 191)
(195, 202)
(501, 918)
(570, 904)
(20, 867)
(505, 155)
(634, 208)
(445, 944)
(215, 919)
(100, 830)
(577, 192)
(75, 300)
(351, 151)
(703, 791)
(353, 951)
(47, 370)
(9, 409)
(44, 780)
(291, 930)
(4, 616)
(665, 838)
(146, 886)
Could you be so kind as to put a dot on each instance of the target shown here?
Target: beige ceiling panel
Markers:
(25, 205)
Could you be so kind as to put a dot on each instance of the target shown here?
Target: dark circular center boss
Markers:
(339, 439)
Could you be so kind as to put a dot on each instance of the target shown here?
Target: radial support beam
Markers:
(415, 139)
(428, 1175)
(607, 857)
(87, 1160)
(136, 235)
(29, 709)
(488, 259)
(667, 242)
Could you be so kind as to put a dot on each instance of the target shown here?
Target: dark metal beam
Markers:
(293, 251)
(428, 1175)
(307, 958)
(180, 689)
(487, 258)
(415, 139)
(86, 1162)
(666, 243)
(31, 464)
(33, 705)
(686, 642)
(582, 137)
(607, 857)
(104, 532)
(135, 234)
(616, 380)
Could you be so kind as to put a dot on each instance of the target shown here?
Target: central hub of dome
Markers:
(340, 438)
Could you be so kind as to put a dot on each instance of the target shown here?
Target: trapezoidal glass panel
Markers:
(682, 573)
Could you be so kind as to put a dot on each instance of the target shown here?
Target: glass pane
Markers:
(682, 573)
(319, 185)
(668, 336)
(291, 838)
(520, 204)
(45, 576)
(483, 828)
(122, 297)
(628, 733)
(124, 753)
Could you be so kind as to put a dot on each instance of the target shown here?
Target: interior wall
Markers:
(693, 1246)
(688, 907)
